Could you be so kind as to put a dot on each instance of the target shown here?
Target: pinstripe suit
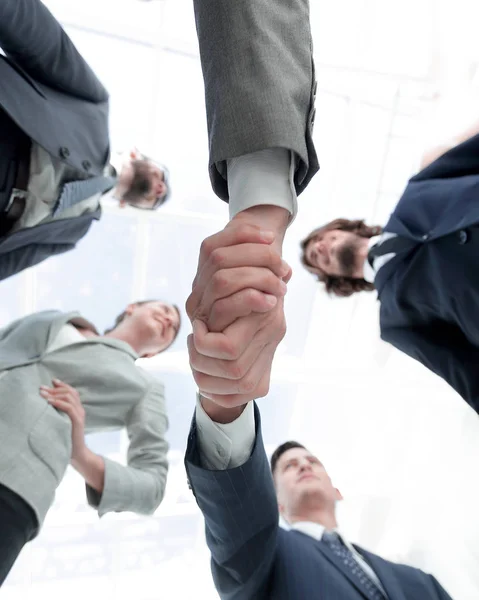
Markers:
(254, 559)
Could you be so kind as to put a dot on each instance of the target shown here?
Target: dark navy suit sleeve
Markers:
(32, 37)
(459, 161)
(241, 519)
(444, 349)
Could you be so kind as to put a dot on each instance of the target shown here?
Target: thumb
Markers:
(200, 330)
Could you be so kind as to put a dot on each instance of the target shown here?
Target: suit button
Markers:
(313, 114)
(64, 152)
(86, 164)
(463, 237)
(425, 237)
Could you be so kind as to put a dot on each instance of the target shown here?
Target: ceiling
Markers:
(401, 446)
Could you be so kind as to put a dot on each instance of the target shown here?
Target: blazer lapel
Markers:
(385, 573)
(336, 562)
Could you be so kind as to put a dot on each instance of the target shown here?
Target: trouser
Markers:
(18, 525)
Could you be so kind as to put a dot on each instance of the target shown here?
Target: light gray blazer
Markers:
(36, 438)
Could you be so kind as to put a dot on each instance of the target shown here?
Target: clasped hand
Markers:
(237, 310)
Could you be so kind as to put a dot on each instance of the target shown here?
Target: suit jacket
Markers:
(429, 295)
(252, 558)
(116, 394)
(267, 99)
(55, 98)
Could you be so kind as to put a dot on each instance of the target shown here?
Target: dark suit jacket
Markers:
(56, 99)
(429, 296)
(252, 558)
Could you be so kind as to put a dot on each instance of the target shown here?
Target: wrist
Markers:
(220, 414)
(81, 457)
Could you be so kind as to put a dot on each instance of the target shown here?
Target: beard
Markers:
(140, 185)
(347, 258)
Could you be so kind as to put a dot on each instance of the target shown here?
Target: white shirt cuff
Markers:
(228, 445)
(263, 177)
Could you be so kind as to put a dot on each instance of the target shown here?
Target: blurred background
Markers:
(401, 446)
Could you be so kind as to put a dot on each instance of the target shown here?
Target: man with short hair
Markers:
(423, 265)
(253, 558)
(54, 143)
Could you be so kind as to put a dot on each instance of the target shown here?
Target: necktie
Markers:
(350, 564)
(393, 245)
(76, 191)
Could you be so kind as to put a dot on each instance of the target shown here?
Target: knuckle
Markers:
(207, 247)
(230, 350)
(263, 389)
(281, 330)
(274, 258)
(219, 281)
(217, 257)
(234, 370)
(247, 385)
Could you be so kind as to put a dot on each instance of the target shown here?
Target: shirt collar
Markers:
(315, 530)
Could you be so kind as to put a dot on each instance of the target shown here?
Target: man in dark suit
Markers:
(253, 558)
(423, 264)
(54, 143)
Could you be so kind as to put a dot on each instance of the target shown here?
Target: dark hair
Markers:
(141, 184)
(280, 450)
(340, 286)
(122, 316)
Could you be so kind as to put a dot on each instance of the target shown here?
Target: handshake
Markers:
(237, 311)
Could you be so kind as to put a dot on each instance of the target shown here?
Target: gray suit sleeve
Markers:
(140, 486)
(32, 37)
(241, 516)
(259, 82)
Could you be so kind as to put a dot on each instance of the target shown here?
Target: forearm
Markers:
(92, 468)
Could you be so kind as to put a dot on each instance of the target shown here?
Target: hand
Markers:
(66, 399)
(238, 291)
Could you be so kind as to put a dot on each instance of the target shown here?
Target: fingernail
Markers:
(43, 393)
(266, 236)
(44, 387)
(271, 300)
(284, 287)
(56, 380)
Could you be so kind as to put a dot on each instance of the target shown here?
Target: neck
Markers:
(322, 516)
(126, 334)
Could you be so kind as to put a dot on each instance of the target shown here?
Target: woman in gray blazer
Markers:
(60, 379)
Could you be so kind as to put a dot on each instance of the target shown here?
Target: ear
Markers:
(130, 308)
(339, 496)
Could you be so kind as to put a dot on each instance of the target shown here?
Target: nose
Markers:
(305, 466)
(321, 248)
